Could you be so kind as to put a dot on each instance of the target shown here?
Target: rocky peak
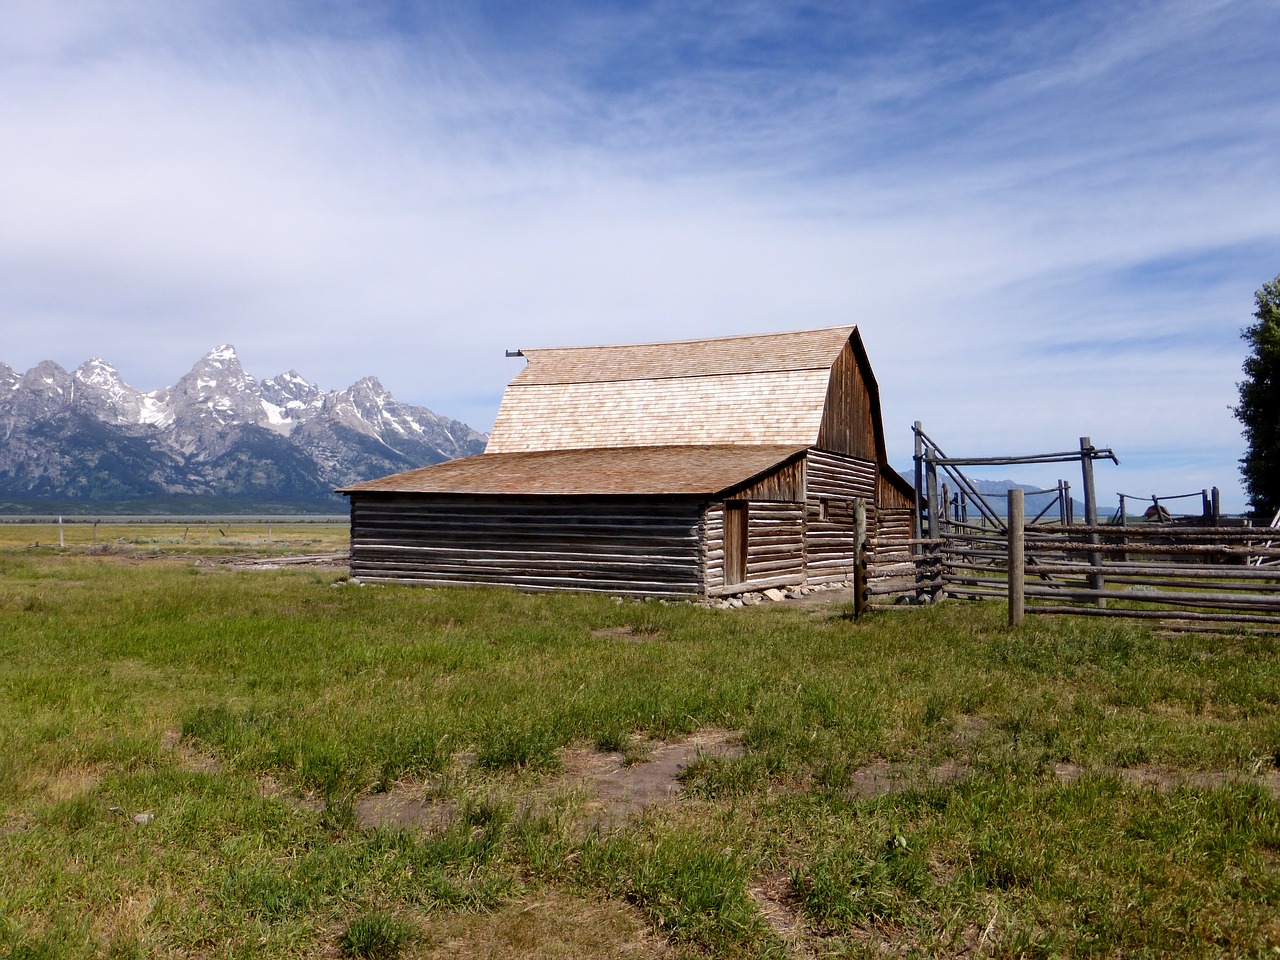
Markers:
(101, 389)
(43, 391)
(216, 389)
(48, 378)
(98, 373)
(288, 389)
(369, 395)
(9, 378)
(288, 400)
(366, 406)
(217, 372)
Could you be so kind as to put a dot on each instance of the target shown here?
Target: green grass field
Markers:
(187, 747)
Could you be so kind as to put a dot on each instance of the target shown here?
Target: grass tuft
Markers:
(376, 936)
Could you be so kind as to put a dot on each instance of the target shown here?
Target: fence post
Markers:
(1017, 556)
(861, 598)
(1091, 513)
(931, 481)
(918, 430)
(1124, 523)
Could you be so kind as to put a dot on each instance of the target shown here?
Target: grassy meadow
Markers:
(213, 537)
(186, 746)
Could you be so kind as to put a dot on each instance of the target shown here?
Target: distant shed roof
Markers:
(767, 389)
(617, 471)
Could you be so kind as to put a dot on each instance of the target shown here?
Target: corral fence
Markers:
(1200, 572)
(1189, 578)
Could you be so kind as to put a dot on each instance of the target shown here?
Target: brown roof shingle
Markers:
(617, 471)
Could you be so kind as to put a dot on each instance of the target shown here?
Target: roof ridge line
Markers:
(667, 343)
(670, 376)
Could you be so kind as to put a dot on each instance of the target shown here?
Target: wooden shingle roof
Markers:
(617, 471)
(723, 356)
(754, 390)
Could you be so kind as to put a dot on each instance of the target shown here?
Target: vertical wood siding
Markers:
(650, 547)
(892, 498)
(848, 422)
(787, 483)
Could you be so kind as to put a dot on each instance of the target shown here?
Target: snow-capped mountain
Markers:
(216, 432)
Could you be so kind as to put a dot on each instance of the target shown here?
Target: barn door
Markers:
(735, 542)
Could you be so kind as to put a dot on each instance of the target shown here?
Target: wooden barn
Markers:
(698, 468)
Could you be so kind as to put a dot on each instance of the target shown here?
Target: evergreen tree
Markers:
(1259, 408)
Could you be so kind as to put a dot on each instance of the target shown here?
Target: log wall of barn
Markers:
(834, 482)
(775, 546)
(649, 547)
(893, 536)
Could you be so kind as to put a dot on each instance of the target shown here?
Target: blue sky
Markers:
(1048, 219)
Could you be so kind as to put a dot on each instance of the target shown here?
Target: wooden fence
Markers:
(1191, 578)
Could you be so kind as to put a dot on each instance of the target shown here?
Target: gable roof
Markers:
(617, 471)
(767, 389)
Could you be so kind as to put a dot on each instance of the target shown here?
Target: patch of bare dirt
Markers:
(13, 824)
(270, 788)
(614, 790)
(1167, 779)
(881, 777)
(319, 561)
(617, 791)
(406, 807)
(967, 729)
(195, 761)
(625, 633)
(822, 599)
(780, 908)
(548, 926)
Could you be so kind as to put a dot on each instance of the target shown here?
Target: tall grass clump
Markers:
(376, 935)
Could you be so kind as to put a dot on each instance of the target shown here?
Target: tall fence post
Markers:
(861, 596)
(931, 482)
(1017, 556)
(1124, 523)
(918, 430)
(1091, 513)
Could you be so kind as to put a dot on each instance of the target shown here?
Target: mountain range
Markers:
(85, 440)
(996, 494)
